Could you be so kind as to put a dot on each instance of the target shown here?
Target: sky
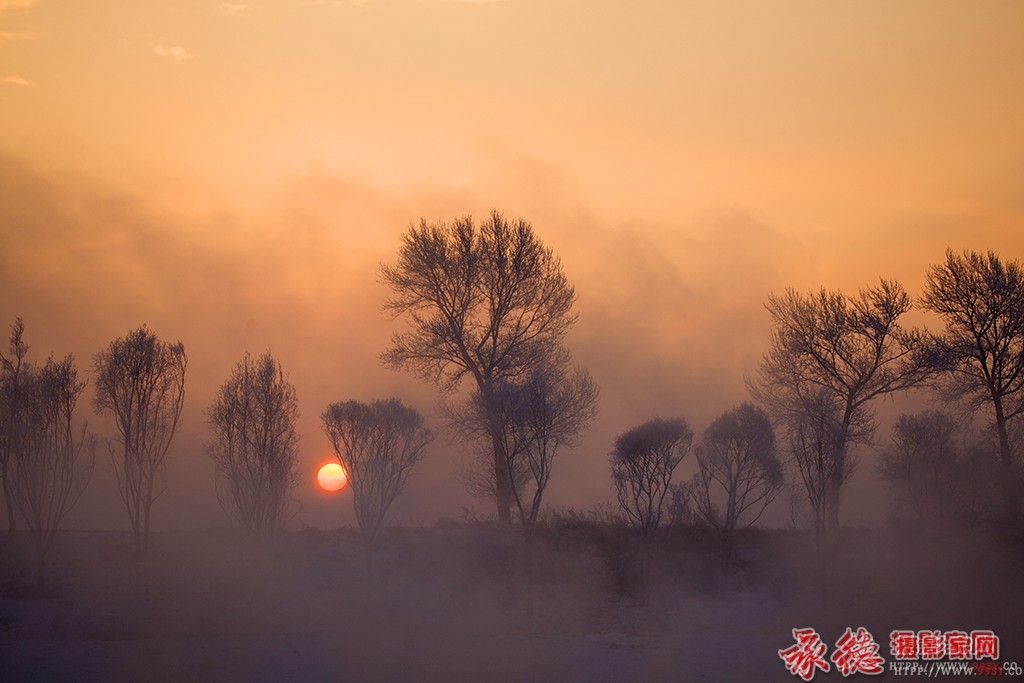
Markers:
(234, 174)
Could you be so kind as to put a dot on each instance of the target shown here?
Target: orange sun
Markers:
(332, 477)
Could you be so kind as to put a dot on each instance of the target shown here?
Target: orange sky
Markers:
(233, 174)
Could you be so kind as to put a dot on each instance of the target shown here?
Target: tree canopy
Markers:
(829, 348)
(981, 301)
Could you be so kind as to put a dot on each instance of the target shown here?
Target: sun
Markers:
(332, 477)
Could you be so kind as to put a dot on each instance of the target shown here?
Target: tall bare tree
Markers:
(739, 473)
(981, 301)
(13, 415)
(378, 444)
(489, 302)
(54, 466)
(642, 463)
(852, 349)
(539, 415)
(254, 444)
(141, 381)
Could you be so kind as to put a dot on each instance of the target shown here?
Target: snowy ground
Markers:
(453, 603)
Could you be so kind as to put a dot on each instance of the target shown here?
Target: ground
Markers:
(459, 602)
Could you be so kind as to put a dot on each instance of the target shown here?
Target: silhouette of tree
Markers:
(851, 350)
(378, 444)
(490, 302)
(739, 473)
(53, 467)
(13, 407)
(813, 428)
(141, 381)
(924, 464)
(254, 445)
(539, 415)
(642, 462)
(981, 301)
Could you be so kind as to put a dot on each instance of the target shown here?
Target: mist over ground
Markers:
(455, 602)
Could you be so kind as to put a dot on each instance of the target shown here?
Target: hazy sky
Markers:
(233, 175)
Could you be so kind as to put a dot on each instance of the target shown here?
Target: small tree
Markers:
(739, 473)
(642, 463)
(378, 444)
(814, 435)
(13, 413)
(539, 415)
(141, 381)
(942, 472)
(254, 444)
(850, 348)
(981, 301)
(489, 302)
(53, 467)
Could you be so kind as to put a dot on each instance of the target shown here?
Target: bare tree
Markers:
(813, 428)
(851, 348)
(54, 466)
(141, 381)
(981, 301)
(642, 463)
(254, 444)
(539, 416)
(739, 473)
(13, 415)
(489, 302)
(378, 444)
(980, 480)
(923, 463)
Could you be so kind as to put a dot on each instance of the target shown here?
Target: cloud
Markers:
(17, 80)
(11, 36)
(6, 5)
(235, 10)
(175, 52)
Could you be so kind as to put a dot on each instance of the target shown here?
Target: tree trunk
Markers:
(12, 519)
(502, 481)
(835, 487)
(832, 504)
(502, 477)
(1009, 478)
